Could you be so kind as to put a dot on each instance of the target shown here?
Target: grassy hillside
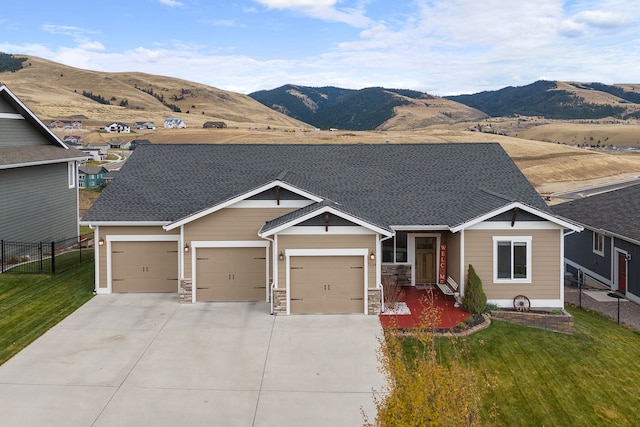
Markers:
(54, 91)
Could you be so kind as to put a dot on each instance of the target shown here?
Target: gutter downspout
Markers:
(274, 257)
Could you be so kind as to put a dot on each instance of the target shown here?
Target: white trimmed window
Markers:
(71, 172)
(598, 243)
(512, 259)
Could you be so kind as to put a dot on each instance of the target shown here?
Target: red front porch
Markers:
(428, 306)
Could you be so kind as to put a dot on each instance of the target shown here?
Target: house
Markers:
(66, 124)
(119, 145)
(214, 125)
(91, 176)
(607, 253)
(102, 147)
(173, 123)
(74, 140)
(144, 125)
(117, 127)
(137, 142)
(110, 176)
(38, 182)
(314, 228)
(93, 154)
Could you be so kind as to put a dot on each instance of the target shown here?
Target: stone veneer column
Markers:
(374, 302)
(185, 291)
(279, 301)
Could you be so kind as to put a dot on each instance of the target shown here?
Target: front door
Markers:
(622, 272)
(425, 260)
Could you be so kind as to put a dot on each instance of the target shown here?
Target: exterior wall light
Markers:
(186, 247)
(372, 256)
(101, 242)
(281, 256)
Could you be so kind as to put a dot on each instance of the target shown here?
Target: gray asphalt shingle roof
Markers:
(390, 184)
(615, 211)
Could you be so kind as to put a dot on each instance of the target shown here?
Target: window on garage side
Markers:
(598, 243)
(512, 259)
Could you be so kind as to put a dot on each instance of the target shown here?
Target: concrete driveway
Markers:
(143, 359)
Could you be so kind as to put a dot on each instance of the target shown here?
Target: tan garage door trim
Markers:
(228, 244)
(134, 238)
(288, 253)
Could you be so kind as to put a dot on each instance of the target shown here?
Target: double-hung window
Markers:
(512, 259)
(598, 243)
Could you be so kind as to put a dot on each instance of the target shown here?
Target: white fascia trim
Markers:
(320, 230)
(535, 303)
(518, 225)
(326, 209)
(11, 116)
(229, 244)
(43, 162)
(270, 204)
(420, 227)
(26, 109)
(124, 223)
(589, 272)
(240, 198)
(531, 210)
(132, 238)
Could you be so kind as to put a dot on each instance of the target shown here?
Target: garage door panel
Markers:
(231, 274)
(144, 266)
(327, 284)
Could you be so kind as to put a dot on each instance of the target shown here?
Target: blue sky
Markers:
(442, 47)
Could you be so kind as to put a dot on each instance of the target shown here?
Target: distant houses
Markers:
(144, 125)
(119, 145)
(174, 123)
(138, 142)
(66, 124)
(214, 125)
(117, 127)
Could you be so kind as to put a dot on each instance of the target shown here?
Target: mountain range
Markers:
(56, 91)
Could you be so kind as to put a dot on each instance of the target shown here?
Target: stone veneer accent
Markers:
(185, 291)
(397, 273)
(279, 301)
(374, 301)
(562, 323)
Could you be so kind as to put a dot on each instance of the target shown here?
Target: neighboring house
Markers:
(91, 176)
(93, 154)
(214, 125)
(608, 251)
(66, 124)
(117, 127)
(38, 182)
(110, 176)
(102, 147)
(173, 123)
(120, 145)
(73, 139)
(313, 228)
(137, 142)
(144, 125)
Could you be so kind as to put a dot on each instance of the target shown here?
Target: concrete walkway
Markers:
(138, 360)
(629, 310)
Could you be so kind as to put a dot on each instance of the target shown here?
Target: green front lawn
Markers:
(30, 304)
(541, 378)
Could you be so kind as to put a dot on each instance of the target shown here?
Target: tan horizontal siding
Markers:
(232, 224)
(545, 276)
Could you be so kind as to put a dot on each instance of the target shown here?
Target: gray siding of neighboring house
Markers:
(579, 249)
(633, 265)
(15, 132)
(53, 217)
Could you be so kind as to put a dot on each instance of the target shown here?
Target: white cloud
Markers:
(91, 45)
(171, 3)
(571, 29)
(602, 19)
(322, 9)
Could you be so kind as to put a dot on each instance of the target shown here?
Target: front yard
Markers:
(542, 378)
(30, 304)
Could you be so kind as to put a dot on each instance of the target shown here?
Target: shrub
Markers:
(474, 300)
(393, 292)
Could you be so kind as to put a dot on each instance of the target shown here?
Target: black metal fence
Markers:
(45, 257)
